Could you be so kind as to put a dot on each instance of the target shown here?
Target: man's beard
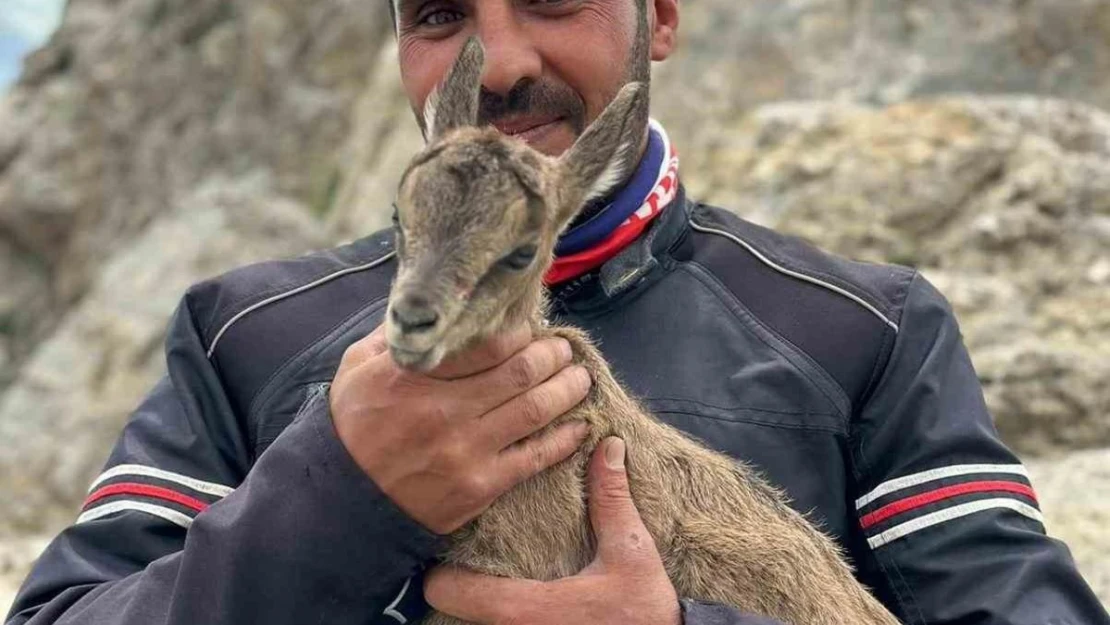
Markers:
(542, 98)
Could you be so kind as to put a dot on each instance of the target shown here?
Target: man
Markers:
(846, 384)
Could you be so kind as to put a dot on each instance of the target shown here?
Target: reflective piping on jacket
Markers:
(301, 289)
(948, 514)
(931, 475)
(173, 516)
(137, 469)
(794, 274)
(391, 611)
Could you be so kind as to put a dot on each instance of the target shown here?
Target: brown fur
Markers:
(723, 533)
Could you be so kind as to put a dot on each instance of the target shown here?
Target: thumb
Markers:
(620, 532)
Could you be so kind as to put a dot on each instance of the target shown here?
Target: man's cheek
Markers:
(423, 65)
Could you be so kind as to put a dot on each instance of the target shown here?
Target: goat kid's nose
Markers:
(414, 313)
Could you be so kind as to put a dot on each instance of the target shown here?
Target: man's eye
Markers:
(441, 18)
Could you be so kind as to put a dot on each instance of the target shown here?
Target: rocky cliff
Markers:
(153, 143)
(133, 104)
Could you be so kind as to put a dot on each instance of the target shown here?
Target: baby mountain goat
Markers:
(478, 218)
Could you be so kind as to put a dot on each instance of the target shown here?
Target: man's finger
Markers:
(521, 461)
(366, 348)
(528, 368)
(487, 355)
(477, 598)
(617, 525)
(532, 410)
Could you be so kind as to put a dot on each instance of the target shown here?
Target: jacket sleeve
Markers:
(163, 538)
(950, 520)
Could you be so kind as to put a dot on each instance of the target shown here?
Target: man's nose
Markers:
(511, 55)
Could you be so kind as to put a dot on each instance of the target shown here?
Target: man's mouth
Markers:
(528, 129)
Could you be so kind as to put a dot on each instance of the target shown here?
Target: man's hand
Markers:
(624, 585)
(444, 445)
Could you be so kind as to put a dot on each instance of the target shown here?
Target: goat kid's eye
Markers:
(520, 258)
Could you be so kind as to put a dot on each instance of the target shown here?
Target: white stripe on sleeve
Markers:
(936, 474)
(200, 486)
(173, 516)
(948, 514)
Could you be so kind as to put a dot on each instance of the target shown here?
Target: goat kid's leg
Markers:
(732, 538)
(725, 534)
(538, 530)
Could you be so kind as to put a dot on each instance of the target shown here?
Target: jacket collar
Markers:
(636, 266)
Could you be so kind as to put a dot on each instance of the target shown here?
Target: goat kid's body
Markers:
(723, 533)
(477, 214)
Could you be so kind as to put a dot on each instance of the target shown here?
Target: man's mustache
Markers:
(533, 98)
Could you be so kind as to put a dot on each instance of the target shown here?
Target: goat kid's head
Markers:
(479, 213)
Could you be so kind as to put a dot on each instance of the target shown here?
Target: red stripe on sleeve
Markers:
(145, 490)
(940, 494)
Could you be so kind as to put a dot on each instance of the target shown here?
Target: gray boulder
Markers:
(134, 103)
(70, 399)
(1074, 493)
(738, 54)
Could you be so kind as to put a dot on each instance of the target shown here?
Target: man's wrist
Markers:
(355, 491)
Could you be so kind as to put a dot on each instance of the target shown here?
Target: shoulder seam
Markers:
(819, 376)
(794, 274)
(301, 289)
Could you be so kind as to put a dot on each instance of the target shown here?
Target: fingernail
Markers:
(564, 348)
(583, 377)
(614, 453)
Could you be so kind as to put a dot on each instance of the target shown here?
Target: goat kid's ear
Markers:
(602, 156)
(454, 103)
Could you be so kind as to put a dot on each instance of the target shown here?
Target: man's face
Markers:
(551, 67)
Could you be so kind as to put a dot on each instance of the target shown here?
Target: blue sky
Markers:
(24, 26)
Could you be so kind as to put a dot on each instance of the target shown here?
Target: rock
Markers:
(383, 141)
(735, 55)
(1074, 493)
(26, 286)
(133, 103)
(1004, 203)
(81, 383)
(16, 557)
